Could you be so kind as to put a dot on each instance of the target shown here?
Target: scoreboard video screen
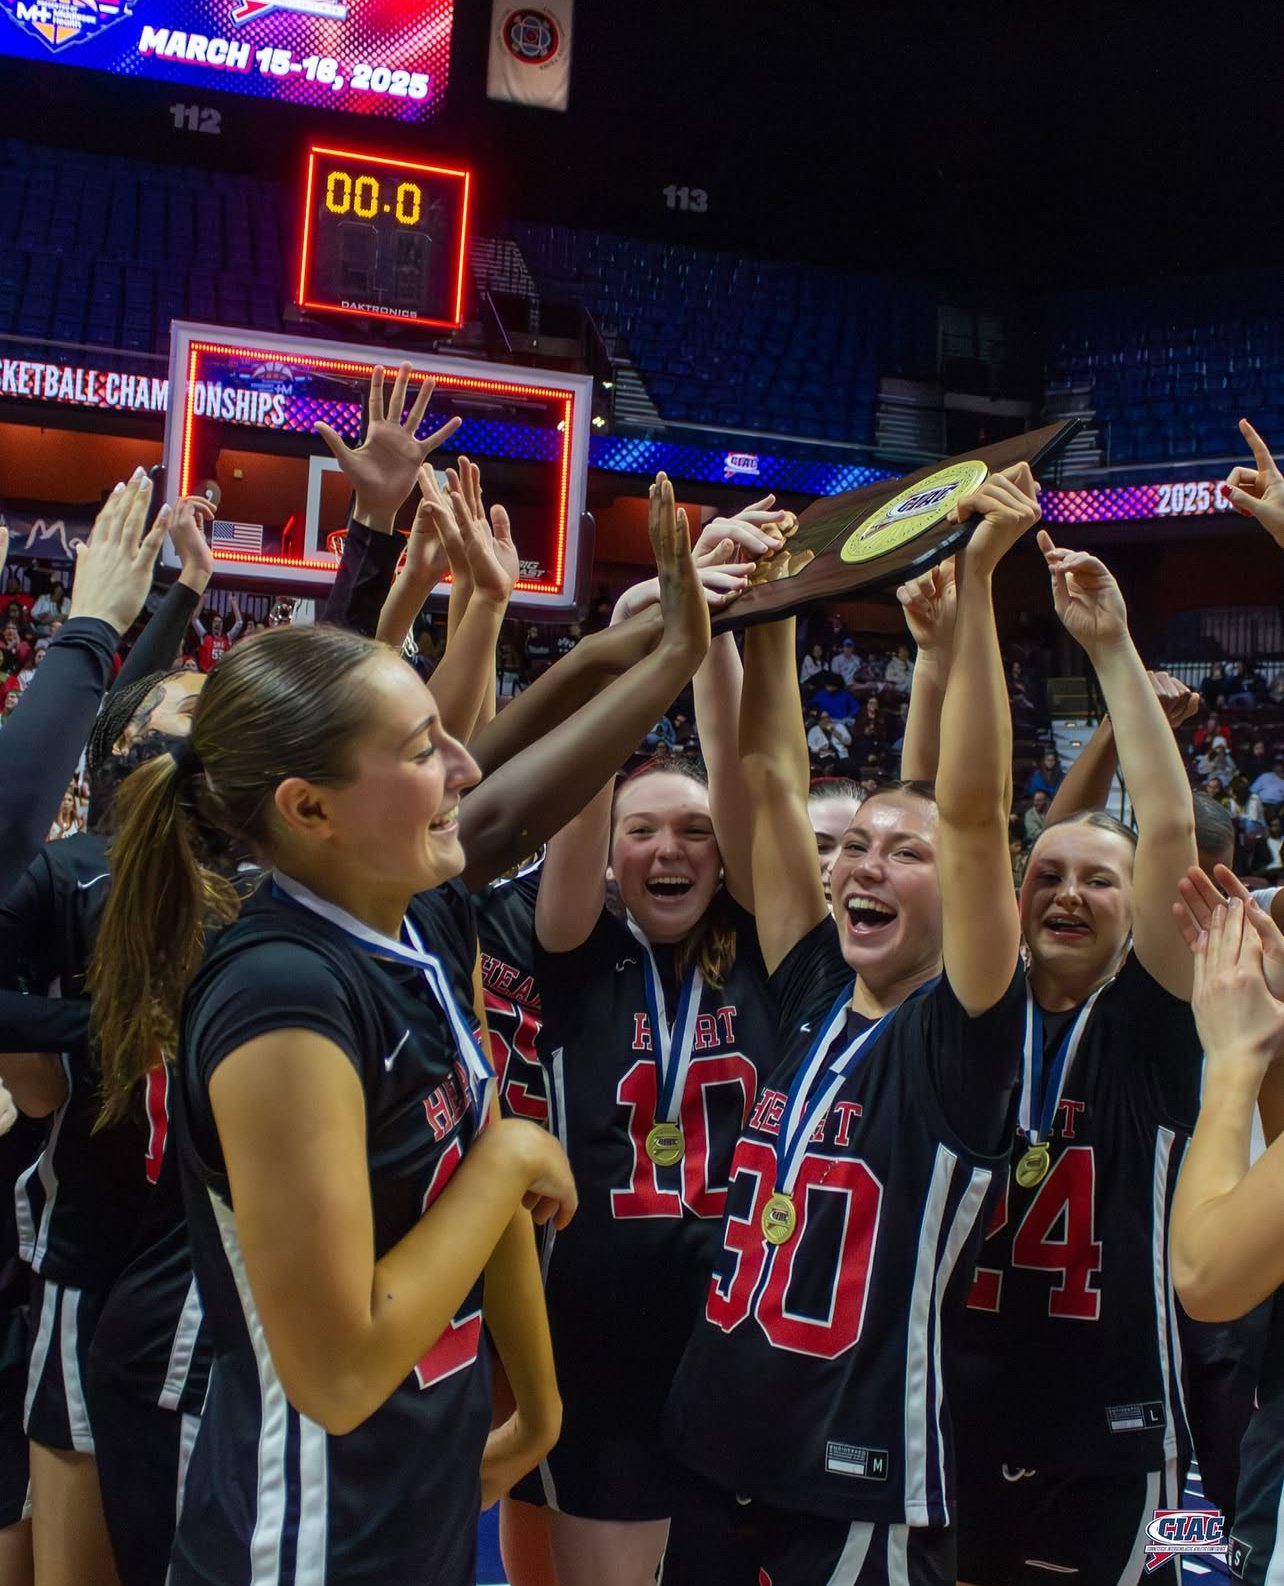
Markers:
(373, 57)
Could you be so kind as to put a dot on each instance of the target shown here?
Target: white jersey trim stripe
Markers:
(1164, 1139)
(82, 1436)
(191, 1425)
(965, 1218)
(183, 1350)
(898, 1569)
(43, 1167)
(918, 1435)
(851, 1561)
(1158, 1485)
(314, 1520)
(557, 1123)
(274, 1413)
(40, 1347)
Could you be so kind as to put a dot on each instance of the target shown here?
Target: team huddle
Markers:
(409, 1113)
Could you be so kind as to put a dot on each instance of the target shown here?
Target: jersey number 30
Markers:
(756, 1276)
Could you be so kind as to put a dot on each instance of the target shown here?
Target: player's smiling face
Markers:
(664, 857)
(396, 823)
(1076, 903)
(885, 890)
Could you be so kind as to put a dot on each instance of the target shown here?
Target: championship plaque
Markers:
(883, 533)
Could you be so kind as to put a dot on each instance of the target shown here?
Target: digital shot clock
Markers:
(384, 238)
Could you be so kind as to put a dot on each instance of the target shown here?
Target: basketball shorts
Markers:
(143, 1452)
(56, 1414)
(805, 1550)
(1257, 1535)
(1032, 1528)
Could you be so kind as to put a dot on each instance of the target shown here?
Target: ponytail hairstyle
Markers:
(828, 788)
(130, 706)
(711, 944)
(288, 703)
(1101, 820)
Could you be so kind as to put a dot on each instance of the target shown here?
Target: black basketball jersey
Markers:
(1071, 1319)
(78, 1205)
(151, 1336)
(18, 1150)
(270, 1495)
(506, 934)
(628, 1274)
(813, 1382)
(1257, 1538)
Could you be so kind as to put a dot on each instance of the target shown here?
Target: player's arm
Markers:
(718, 687)
(981, 928)
(1091, 607)
(516, 1319)
(789, 896)
(1087, 784)
(343, 1328)
(930, 604)
(563, 767)
(1227, 1236)
(464, 680)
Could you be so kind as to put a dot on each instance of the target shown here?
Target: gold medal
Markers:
(664, 1143)
(1033, 1167)
(779, 1220)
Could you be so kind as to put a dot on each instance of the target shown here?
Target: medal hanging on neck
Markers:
(1041, 1092)
(816, 1083)
(481, 1076)
(671, 1046)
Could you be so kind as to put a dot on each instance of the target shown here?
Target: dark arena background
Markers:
(789, 248)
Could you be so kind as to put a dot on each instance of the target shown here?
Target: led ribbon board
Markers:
(241, 412)
(374, 57)
(383, 238)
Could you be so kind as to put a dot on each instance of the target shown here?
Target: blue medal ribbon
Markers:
(1042, 1092)
(671, 1045)
(809, 1099)
(481, 1076)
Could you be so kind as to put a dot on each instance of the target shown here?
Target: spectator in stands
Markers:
(17, 614)
(214, 642)
(868, 680)
(1248, 689)
(898, 674)
(1212, 688)
(1256, 761)
(567, 641)
(830, 743)
(425, 658)
(57, 603)
(1036, 817)
(68, 821)
(1047, 776)
(661, 736)
(1027, 718)
(1214, 788)
(814, 666)
(8, 704)
(1275, 689)
(841, 704)
(1216, 761)
(29, 671)
(870, 729)
(1269, 787)
(539, 652)
(1273, 869)
(15, 592)
(845, 663)
(15, 652)
(508, 668)
(1211, 727)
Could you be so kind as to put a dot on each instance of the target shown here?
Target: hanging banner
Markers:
(530, 53)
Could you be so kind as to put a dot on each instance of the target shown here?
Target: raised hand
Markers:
(1180, 703)
(187, 526)
(383, 469)
(758, 529)
(1200, 897)
(1258, 492)
(480, 551)
(1008, 506)
(930, 604)
(1235, 1013)
(1086, 596)
(114, 565)
(682, 599)
(721, 579)
(4, 544)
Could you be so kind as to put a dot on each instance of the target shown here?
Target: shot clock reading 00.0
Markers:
(363, 197)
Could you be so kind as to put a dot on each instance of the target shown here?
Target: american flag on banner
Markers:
(228, 536)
